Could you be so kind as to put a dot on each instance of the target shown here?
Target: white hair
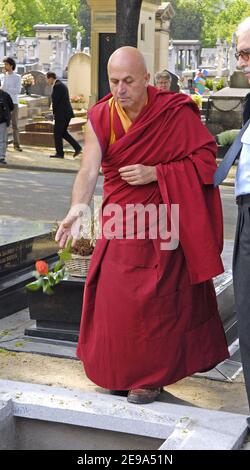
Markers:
(244, 26)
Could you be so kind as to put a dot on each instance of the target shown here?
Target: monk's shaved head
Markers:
(127, 56)
(128, 79)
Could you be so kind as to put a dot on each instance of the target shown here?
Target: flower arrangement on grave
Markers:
(77, 99)
(80, 254)
(73, 260)
(46, 279)
(197, 99)
(28, 80)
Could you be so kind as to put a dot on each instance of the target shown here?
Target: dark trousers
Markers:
(60, 133)
(241, 275)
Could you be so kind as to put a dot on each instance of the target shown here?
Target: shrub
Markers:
(227, 137)
(209, 83)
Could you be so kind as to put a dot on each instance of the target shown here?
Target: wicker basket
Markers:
(78, 265)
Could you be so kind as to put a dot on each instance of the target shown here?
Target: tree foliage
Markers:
(207, 20)
(20, 16)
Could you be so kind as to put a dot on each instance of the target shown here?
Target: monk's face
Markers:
(128, 81)
(243, 46)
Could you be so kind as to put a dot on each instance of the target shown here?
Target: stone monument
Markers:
(79, 75)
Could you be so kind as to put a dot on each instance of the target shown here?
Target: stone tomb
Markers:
(41, 133)
(40, 88)
(226, 109)
(226, 105)
(22, 242)
(79, 76)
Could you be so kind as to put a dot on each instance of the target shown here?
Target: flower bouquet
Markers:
(77, 101)
(28, 81)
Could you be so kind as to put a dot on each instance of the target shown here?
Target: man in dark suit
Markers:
(241, 258)
(63, 112)
(246, 108)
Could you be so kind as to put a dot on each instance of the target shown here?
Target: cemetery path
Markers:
(68, 373)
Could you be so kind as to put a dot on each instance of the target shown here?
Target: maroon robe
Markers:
(150, 316)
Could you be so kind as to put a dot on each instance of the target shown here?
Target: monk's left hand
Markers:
(138, 174)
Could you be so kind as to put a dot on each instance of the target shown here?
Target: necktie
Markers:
(229, 157)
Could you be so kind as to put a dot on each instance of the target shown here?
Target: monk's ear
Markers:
(147, 78)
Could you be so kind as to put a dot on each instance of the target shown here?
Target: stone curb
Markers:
(181, 427)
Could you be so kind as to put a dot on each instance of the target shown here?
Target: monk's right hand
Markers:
(69, 228)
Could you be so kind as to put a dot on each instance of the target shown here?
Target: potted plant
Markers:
(77, 101)
(55, 296)
(55, 301)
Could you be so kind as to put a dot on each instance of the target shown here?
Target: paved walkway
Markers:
(37, 158)
(197, 392)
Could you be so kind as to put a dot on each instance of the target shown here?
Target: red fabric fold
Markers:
(181, 180)
(148, 318)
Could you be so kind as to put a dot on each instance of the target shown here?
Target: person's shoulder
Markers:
(99, 110)
(59, 83)
(5, 96)
(103, 103)
(171, 99)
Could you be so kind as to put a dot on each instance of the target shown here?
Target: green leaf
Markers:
(51, 279)
(47, 289)
(33, 286)
(58, 266)
(65, 256)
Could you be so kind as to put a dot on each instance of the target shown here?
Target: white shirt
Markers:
(242, 180)
(12, 85)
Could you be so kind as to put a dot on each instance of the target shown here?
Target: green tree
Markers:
(56, 11)
(7, 9)
(208, 19)
(228, 20)
(20, 16)
(24, 16)
(186, 24)
(193, 17)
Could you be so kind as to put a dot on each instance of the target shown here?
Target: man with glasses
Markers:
(241, 258)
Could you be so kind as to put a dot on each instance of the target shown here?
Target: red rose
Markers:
(42, 267)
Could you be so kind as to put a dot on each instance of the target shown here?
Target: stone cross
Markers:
(79, 42)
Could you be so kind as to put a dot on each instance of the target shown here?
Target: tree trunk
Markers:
(127, 21)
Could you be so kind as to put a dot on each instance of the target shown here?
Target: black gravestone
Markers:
(57, 316)
(174, 82)
(22, 242)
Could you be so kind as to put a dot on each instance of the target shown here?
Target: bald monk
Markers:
(149, 315)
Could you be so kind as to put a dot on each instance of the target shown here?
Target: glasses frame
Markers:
(245, 54)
